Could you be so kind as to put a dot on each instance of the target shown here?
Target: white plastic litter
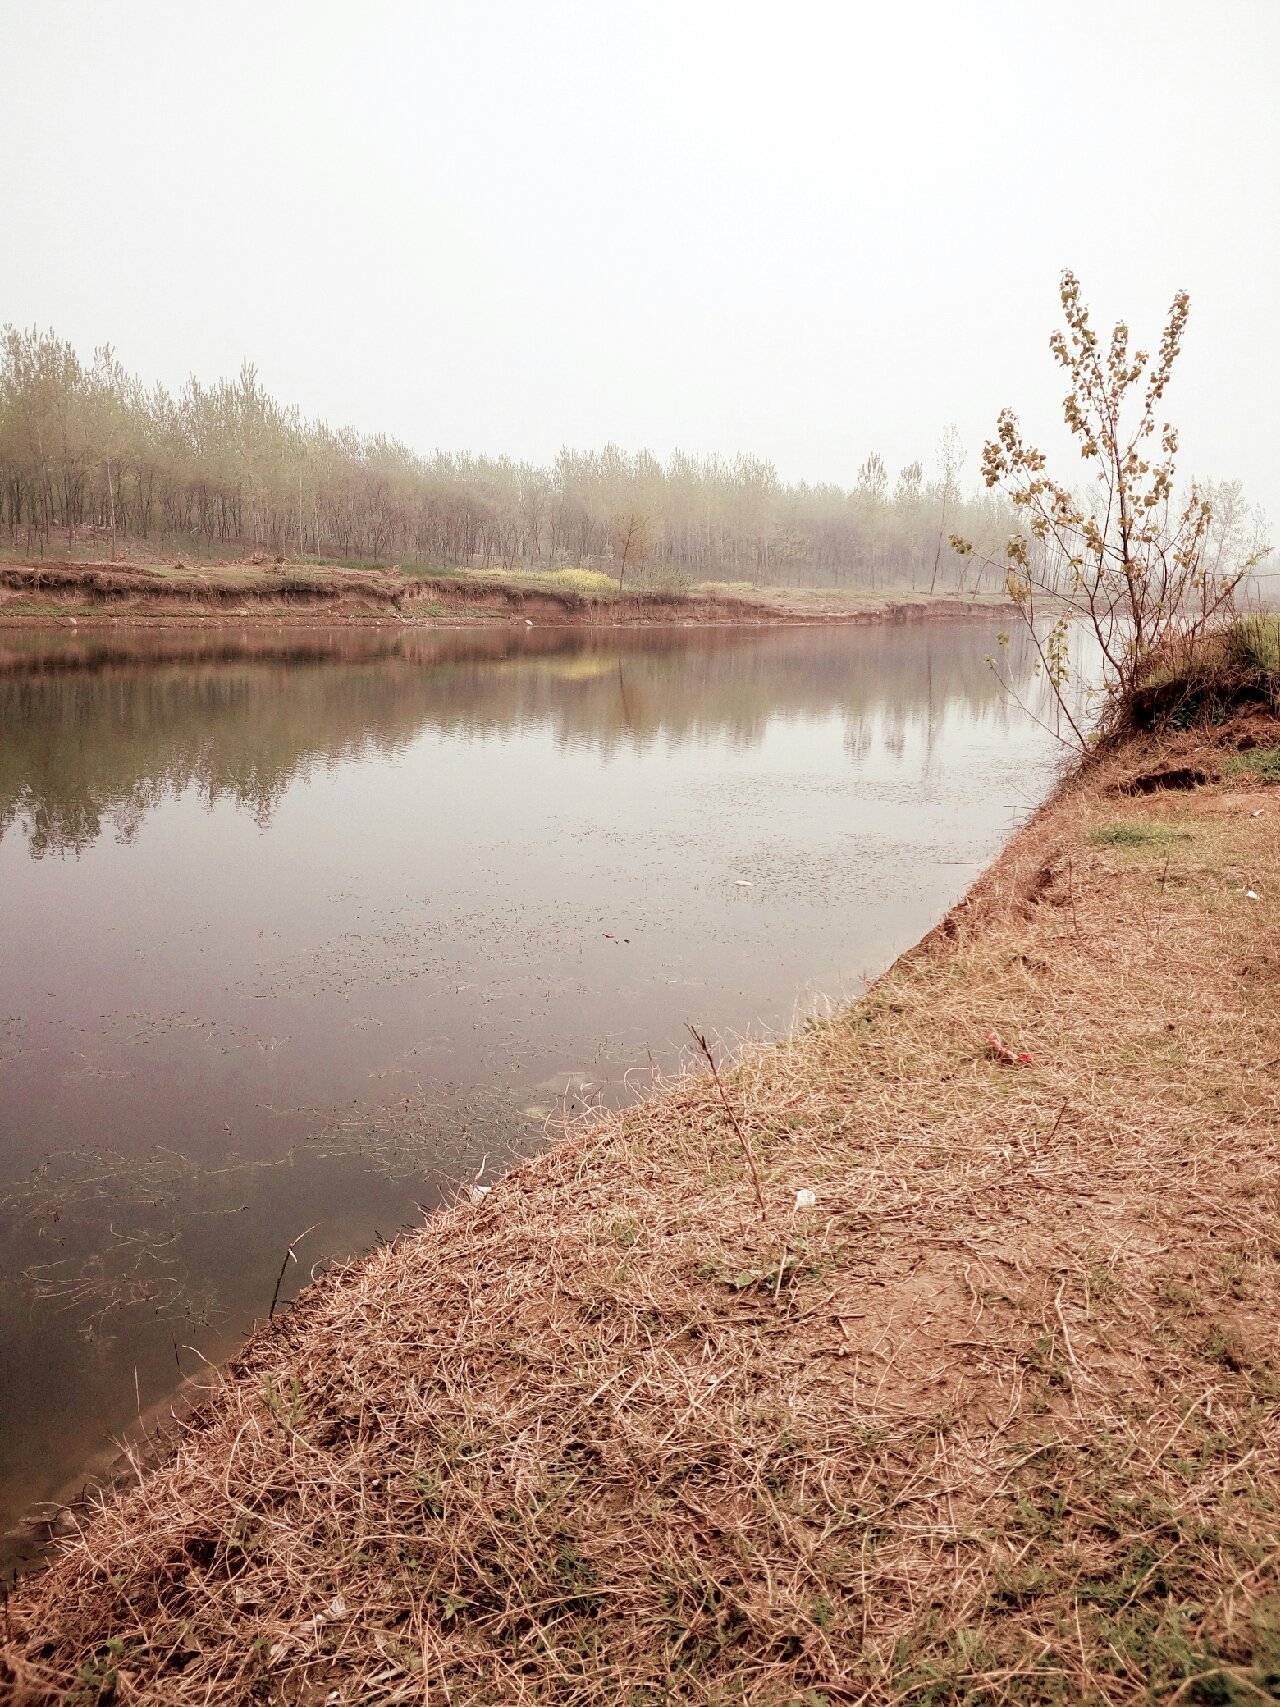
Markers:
(478, 1193)
(806, 1199)
(1251, 894)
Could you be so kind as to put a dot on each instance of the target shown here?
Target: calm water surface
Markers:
(298, 930)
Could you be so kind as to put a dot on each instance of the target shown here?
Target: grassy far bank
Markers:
(994, 1417)
(173, 591)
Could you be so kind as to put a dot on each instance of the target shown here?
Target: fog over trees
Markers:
(94, 461)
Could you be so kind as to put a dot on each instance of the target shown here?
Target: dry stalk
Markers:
(290, 1255)
(730, 1112)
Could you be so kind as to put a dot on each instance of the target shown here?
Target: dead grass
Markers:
(996, 1420)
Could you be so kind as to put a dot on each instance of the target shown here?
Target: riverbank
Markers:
(93, 594)
(889, 1368)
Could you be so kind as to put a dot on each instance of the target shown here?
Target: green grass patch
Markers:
(1133, 833)
(1261, 762)
(38, 607)
(1253, 644)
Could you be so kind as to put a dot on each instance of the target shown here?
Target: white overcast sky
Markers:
(803, 230)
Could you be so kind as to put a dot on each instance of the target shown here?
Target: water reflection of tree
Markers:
(96, 735)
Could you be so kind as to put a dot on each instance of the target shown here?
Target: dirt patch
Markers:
(113, 584)
(1244, 803)
(1259, 728)
(1167, 777)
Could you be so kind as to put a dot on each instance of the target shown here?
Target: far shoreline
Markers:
(121, 595)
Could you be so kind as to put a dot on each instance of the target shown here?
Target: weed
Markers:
(1260, 762)
(1252, 646)
(97, 1678)
(284, 1401)
(1134, 833)
(428, 1485)
(771, 1277)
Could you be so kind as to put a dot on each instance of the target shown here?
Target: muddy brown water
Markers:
(301, 929)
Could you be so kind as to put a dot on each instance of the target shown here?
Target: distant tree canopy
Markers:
(89, 452)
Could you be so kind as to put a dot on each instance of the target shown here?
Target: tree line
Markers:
(91, 458)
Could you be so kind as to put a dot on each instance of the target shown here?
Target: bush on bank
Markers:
(1209, 678)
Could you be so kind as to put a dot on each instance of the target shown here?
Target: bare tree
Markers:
(630, 541)
(951, 461)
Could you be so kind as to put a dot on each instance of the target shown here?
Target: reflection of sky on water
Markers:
(308, 936)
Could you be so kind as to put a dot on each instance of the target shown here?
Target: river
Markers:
(303, 930)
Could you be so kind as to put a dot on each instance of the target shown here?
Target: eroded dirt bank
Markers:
(928, 1358)
(97, 593)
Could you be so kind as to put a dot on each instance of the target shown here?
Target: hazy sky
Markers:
(804, 230)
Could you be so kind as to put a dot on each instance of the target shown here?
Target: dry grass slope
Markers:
(996, 1421)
